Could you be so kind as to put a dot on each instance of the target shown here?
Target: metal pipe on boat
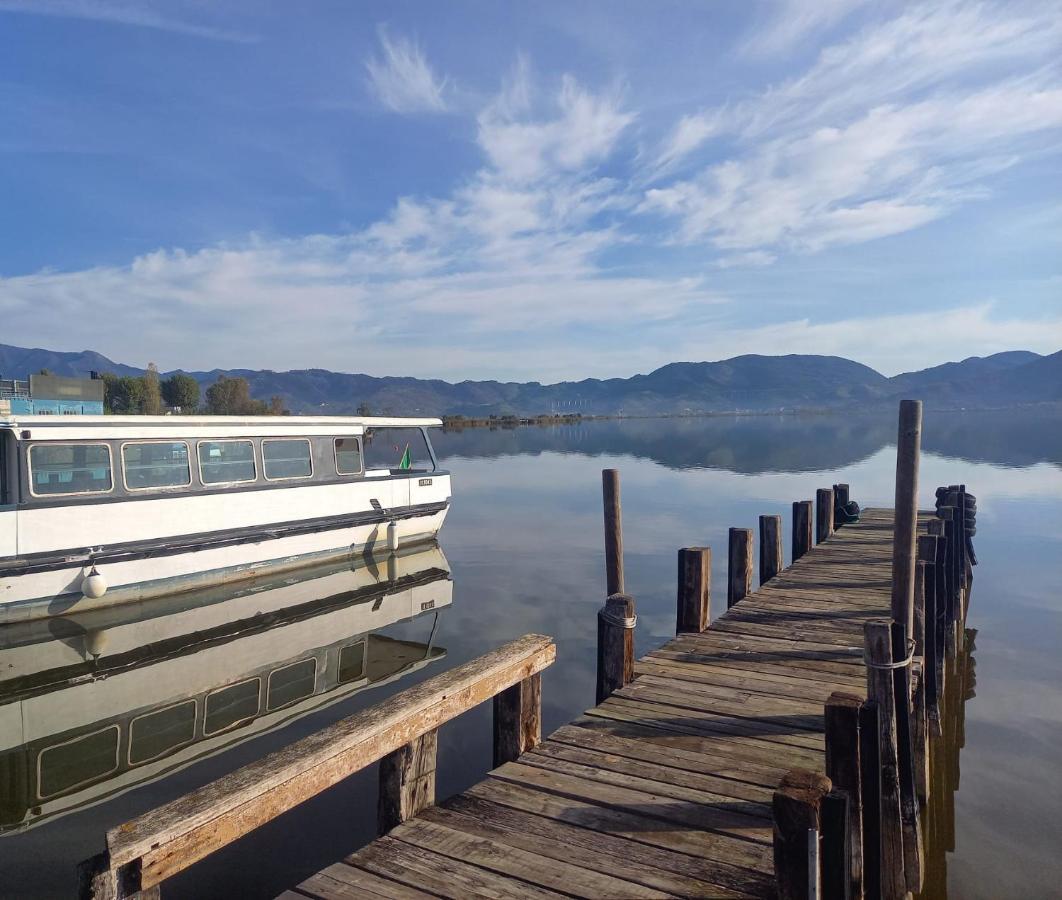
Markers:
(392, 536)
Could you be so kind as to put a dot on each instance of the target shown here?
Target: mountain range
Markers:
(750, 383)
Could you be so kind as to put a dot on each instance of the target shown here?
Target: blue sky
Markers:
(529, 191)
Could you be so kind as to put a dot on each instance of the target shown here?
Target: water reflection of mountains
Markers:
(93, 705)
(755, 444)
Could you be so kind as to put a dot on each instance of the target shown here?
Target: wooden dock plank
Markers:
(664, 789)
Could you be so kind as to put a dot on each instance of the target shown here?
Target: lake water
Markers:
(524, 543)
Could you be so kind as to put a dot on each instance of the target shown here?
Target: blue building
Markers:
(51, 395)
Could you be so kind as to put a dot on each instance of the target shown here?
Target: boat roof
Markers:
(74, 427)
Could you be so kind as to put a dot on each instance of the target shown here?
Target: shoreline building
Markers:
(51, 395)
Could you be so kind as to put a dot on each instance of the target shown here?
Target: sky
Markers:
(530, 191)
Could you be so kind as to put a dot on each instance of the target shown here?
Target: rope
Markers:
(900, 664)
(606, 615)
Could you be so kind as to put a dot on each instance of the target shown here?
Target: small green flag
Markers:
(407, 461)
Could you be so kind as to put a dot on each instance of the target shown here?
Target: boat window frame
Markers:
(154, 712)
(220, 484)
(115, 726)
(167, 487)
(361, 454)
(362, 642)
(99, 443)
(239, 722)
(309, 454)
(266, 708)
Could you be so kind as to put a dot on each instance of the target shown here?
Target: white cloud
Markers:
(796, 20)
(403, 79)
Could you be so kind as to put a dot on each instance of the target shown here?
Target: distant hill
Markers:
(748, 383)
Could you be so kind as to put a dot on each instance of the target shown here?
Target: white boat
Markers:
(95, 704)
(100, 510)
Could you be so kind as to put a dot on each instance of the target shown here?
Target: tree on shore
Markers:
(181, 392)
(151, 402)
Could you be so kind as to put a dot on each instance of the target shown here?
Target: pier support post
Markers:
(905, 515)
(517, 719)
(880, 689)
(802, 527)
(610, 491)
(870, 796)
(841, 717)
(770, 547)
(933, 637)
(694, 602)
(796, 810)
(615, 645)
(840, 501)
(739, 569)
(823, 514)
(407, 781)
(912, 828)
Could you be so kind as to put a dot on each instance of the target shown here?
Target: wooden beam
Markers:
(694, 600)
(172, 837)
(610, 492)
(770, 547)
(905, 512)
(517, 720)
(802, 527)
(407, 781)
(739, 569)
(615, 645)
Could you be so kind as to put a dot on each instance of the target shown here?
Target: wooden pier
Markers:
(791, 748)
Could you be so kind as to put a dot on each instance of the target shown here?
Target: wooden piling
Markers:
(615, 645)
(770, 547)
(739, 570)
(932, 640)
(841, 717)
(870, 796)
(407, 781)
(840, 501)
(610, 491)
(796, 808)
(517, 719)
(835, 816)
(694, 601)
(880, 689)
(802, 527)
(905, 513)
(912, 829)
(823, 514)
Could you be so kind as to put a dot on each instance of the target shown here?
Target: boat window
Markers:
(352, 662)
(231, 706)
(224, 462)
(348, 456)
(290, 683)
(66, 766)
(157, 733)
(397, 449)
(70, 469)
(5, 488)
(286, 459)
(155, 465)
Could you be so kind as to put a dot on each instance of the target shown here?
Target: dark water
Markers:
(524, 543)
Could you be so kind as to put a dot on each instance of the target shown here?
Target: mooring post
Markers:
(870, 795)
(881, 689)
(902, 655)
(841, 716)
(796, 809)
(517, 719)
(610, 491)
(823, 514)
(927, 554)
(770, 547)
(835, 860)
(407, 781)
(615, 645)
(739, 571)
(802, 527)
(905, 514)
(919, 736)
(840, 501)
(694, 602)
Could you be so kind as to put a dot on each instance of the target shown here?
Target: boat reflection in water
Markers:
(95, 705)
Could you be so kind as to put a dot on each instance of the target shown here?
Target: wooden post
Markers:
(770, 547)
(610, 490)
(870, 795)
(739, 573)
(823, 514)
(517, 719)
(840, 501)
(905, 514)
(407, 781)
(912, 829)
(835, 816)
(694, 604)
(615, 645)
(927, 554)
(796, 811)
(880, 689)
(802, 515)
(841, 717)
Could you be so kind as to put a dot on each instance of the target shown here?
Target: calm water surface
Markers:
(524, 544)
